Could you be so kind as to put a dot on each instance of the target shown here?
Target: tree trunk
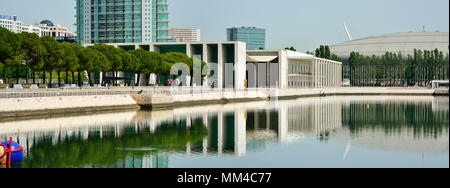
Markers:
(138, 79)
(73, 77)
(67, 77)
(103, 80)
(44, 78)
(26, 74)
(59, 79)
(89, 78)
(79, 78)
(34, 77)
(50, 82)
(4, 76)
(17, 75)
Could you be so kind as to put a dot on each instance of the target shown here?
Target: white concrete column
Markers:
(257, 74)
(189, 52)
(240, 60)
(268, 74)
(151, 48)
(220, 66)
(283, 68)
(205, 57)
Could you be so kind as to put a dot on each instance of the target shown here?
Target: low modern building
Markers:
(55, 31)
(11, 23)
(289, 69)
(235, 67)
(184, 35)
(254, 37)
(29, 28)
(44, 28)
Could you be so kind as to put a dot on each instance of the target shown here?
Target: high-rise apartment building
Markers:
(254, 37)
(184, 35)
(122, 21)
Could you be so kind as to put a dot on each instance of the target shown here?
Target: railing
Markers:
(35, 93)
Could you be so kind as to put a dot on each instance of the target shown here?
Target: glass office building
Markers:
(254, 37)
(122, 21)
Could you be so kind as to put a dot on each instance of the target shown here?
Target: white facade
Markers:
(32, 29)
(184, 35)
(289, 69)
(147, 21)
(11, 23)
(87, 22)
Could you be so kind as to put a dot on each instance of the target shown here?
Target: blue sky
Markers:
(303, 24)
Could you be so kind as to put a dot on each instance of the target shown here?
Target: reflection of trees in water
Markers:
(395, 117)
(107, 150)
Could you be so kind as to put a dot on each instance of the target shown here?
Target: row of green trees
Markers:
(396, 69)
(324, 52)
(26, 55)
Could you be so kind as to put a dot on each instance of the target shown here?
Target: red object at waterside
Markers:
(13, 152)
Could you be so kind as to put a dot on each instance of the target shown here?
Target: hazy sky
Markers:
(303, 24)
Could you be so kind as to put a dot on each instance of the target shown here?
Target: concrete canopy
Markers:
(260, 58)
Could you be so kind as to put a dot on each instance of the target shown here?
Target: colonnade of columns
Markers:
(327, 73)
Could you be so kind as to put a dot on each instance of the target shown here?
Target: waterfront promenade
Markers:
(18, 103)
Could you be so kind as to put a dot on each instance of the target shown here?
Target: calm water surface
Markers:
(313, 132)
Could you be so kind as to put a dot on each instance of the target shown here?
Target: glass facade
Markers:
(122, 21)
(254, 37)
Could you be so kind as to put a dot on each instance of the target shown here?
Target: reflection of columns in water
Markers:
(220, 132)
(227, 132)
(205, 140)
(188, 122)
(318, 117)
(188, 148)
(240, 133)
(283, 124)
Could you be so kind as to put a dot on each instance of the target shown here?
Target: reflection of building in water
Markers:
(235, 132)
(147, 139)
(124, 144)
(152, 160)
(398, 124)
(229, 132)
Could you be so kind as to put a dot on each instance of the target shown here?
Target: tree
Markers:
(322, 51)
(2, 67)
(85, 58)
(70, 60)
(53, 56)
(129, 63)
(33, 53)
(113, 55)
(291, 48)
(10, 51)
(100, 63)
(149, 62)
(327, 52)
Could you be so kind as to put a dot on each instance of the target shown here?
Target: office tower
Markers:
(122, 21)
(254, 37)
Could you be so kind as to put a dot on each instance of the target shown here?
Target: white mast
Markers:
(348, 33)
